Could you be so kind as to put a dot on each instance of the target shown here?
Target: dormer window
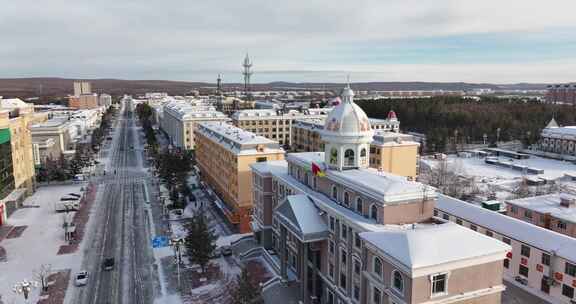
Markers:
(346, 199)
(335, 193)
(333, 156)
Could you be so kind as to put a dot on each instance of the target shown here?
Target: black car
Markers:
(108, 264)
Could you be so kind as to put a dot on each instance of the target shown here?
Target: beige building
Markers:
(390, 151)
(223, 156)
(228, 105)
(179, 119)
(542, 260)
(21, 115)
(348, 233)
(52, 138)
(274, 124)
(395, 153)
(556, 212)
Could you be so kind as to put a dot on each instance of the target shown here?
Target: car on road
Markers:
(81, 278)
(108, 264)
(226, 250)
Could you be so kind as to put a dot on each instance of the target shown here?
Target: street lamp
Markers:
(24, 288)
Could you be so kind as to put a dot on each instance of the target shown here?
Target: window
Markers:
(439, 284)
(343, 280)
(330, 298)
(528, 214)
(357, 267)
(346, 199)
(506, 240)
(523, 270)
(446, 217)
(435, 212)
(570, 269)
(514, 209)
(544, 285)
(561, 225)
(489, 233)
(356, 292)
(525, 251)
(331, 270)
(344, 231)
(332, 247)
(314, 182)
(398, 281)
(473, 227)
(374, 212)
(349, 158)
(333, 156)
(359, 205)
(506, 263)
(377, 266)
(459, 221)
(332, 223)
(567, 291)
(343, 256)
(545, 259)
(357, 240)
(334, 193)
(260, 159)
(376, 296)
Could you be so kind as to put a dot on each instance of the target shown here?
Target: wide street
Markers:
(121, 226)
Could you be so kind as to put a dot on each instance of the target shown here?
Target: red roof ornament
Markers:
(392, 115)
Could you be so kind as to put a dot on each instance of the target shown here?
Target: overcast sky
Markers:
(498, 41)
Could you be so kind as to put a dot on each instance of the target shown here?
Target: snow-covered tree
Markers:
(246, 290)
(200, 241)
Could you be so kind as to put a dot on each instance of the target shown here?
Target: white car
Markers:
(81, 278)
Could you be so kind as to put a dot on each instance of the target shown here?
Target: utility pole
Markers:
(176, 243)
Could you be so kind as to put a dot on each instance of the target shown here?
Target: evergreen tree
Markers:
(200, 241)
(246, 290)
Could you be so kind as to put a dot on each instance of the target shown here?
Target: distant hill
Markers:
(61, 87)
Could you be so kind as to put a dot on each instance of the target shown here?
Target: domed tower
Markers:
(347, 135)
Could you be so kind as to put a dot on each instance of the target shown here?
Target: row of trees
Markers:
(446, 120)
(145, 114)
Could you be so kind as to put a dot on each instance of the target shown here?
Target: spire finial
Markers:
(348, 81)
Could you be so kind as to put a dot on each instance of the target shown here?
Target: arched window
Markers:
(333, 156)
(363, 156)
(334, 193)
(359, 205)
(346, 199)
(314, 182)
(378, 266)
(374, 212)
(349, 158)
(398, 281)
(306, 179)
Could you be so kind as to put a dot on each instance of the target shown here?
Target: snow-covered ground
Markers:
(501, 180)
(39, 243)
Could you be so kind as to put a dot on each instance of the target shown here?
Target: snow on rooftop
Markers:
(560, 131)
(524, 232)
(236, 139)
(549, 203)
(303, 215)
(417, 246)
(378, 184)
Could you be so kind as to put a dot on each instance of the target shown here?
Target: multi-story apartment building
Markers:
(561, 93)
(83, 97)
(543, 260)
(179, 120)
(351, 234)
(556, 212)
(6, 170)
(390, 151)
(223, 155)
(274, 124)
(20, 117)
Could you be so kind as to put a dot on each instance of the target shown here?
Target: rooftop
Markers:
(387, 138)
(52, 123)
(527, 233)
(271, 113)
(236, 139)
(382, 186)
(188, 111)
(418, 246)
(559, 131)
(549, 203)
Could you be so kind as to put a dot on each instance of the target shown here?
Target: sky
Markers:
(489, 41)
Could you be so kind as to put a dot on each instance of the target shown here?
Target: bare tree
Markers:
(41, 274)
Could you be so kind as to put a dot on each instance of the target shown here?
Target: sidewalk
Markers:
(36, 244)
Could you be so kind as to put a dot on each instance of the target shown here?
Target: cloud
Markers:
(184, 39)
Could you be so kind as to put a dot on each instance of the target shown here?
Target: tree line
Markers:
(446, 120)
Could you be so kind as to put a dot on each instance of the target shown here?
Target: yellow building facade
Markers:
(223, 155)
(395, 153)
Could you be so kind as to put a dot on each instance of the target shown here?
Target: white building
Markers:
(179, 119)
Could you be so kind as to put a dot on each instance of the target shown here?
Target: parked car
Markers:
(81, 278)
(216, 254)
(67, 206)
(226, 250)
(108, 264)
